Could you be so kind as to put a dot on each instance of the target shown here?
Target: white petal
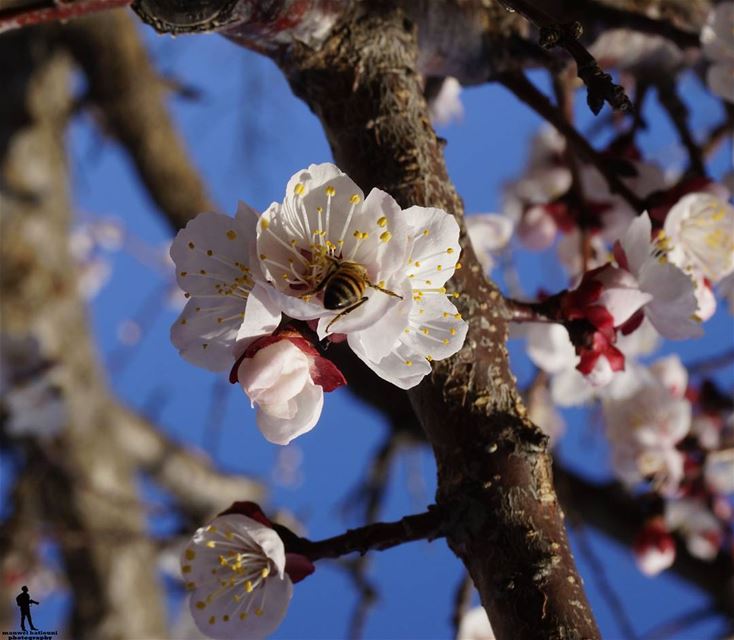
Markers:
(673, 307)
(436, 249)
(719, 471)
(275, 373)
(671, 373)
(636, 242)
(211, 255)
(537, 228)
(446, 106)
(569, 388)
(278, 431)
(436, 329)
(489, 233)
(403, 367)
(380, 337)
(376, 309)
(475, 626)
(621, 295)
(206, 331)
(550, 347)
(262, 315)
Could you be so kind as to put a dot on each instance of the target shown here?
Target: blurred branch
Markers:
(114, 588)
(200, 489)
(678, 113)
(130, 95)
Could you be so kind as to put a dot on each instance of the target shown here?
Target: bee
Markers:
(344, 285)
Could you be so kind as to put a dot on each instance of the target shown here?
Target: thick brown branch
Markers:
(493, 468)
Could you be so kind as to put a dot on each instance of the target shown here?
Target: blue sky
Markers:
(247, 135)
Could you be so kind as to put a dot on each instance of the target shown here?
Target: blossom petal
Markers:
(403, 367)
(211, 255)
(636, 243)
(309, 403)
(206, 331)
(436, 249)
(672, 311)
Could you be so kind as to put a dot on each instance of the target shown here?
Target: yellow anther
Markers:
(458, 266)
(183, 320)
(299, 188)
(355, 199)
(439, 268)
(186, 569)
(382, 222)
(183, 274)
(445, 340)
(450, 250)
(265, 572)
(455, 294)
(426, 232)
(385, 236)
(330, 191)
(201, 604)
(259, 612)
(429, 358)
(452, 331)
(232, 234)
(191, 245)
(408, 363)
(243, 615)
(264, 224)
(190, 554)
(212, 620)
(190, 586)
(425, 331)
(225, 618)
(209, 252)
(457, 316)
(248, 586)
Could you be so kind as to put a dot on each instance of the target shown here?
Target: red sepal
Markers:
(249, 509)
(298, 567)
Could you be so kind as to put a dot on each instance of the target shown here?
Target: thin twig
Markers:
(375, 537)
(528, 93)
(678, 113)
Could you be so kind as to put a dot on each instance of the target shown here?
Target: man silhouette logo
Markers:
(24, 602)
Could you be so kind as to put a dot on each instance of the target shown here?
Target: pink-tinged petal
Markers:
(672, 311)
(275, 374)
(636, 243)
(569, 388)
(621, 295)
(298, 567)
(489, 233)
(601, 373)
(309, 403)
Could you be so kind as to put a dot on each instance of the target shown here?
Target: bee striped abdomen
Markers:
(345, 287)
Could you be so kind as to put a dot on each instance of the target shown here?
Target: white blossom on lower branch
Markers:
(239, 575)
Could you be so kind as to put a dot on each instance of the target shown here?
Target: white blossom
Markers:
(717, 38)
(672, 309)
(235, 570)
(489, 234)
(645, 420)
(215, 267)
(475, 625)
(403, 320)
(719, 471)
(446, 107)
(700, 235)
(700, 528)
(277, 378)
(654, 548)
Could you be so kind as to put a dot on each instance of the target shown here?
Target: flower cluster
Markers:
(349, 266)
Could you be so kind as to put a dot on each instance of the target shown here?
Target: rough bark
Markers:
(494, 470)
